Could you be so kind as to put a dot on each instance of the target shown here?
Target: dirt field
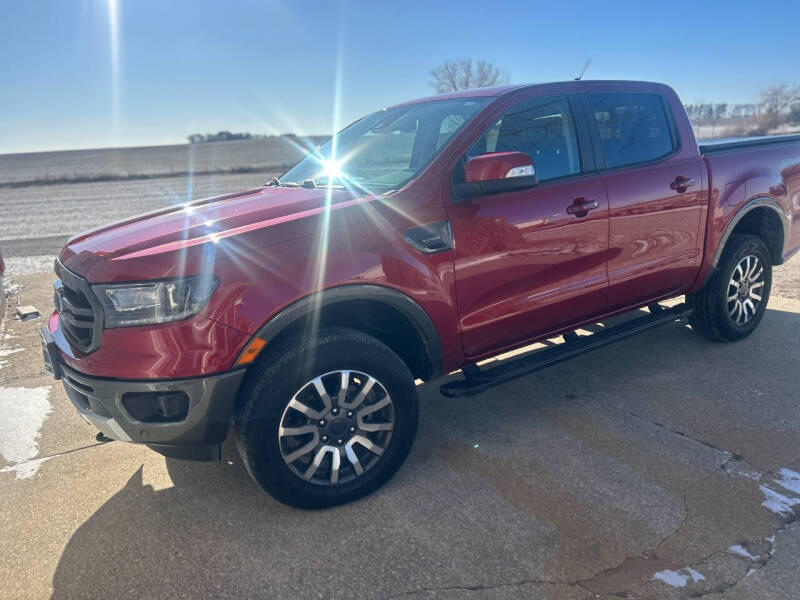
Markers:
(120, 163)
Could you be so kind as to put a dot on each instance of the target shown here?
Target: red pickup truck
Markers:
(420, 240)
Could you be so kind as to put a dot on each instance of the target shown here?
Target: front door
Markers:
(527, 262)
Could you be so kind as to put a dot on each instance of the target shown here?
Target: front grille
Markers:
(79, 313)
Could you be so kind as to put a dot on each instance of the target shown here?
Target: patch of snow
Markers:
(27, 469)
(777, 502)
(12, 288)
(677, 578)
(754, 475)
(673, 578)
(7, 352)
(696, 575)
(742, 551)
(22, 414)
(790, 480)
(28, 265)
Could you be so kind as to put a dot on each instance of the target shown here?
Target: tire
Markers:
(284, 423)
(714, 315)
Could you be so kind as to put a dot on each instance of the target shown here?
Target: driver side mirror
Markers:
(496, 172)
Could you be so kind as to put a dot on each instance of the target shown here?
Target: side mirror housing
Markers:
(497, 172)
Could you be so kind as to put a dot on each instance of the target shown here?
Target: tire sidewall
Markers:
(743, 246)
(334, 350)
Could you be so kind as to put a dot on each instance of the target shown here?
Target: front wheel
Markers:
(732, 303)
(328, 420)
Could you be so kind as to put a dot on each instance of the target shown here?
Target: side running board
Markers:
(477, 380)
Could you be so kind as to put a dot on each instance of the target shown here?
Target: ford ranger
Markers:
(419, 241)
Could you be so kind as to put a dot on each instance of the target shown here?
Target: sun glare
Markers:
(113, 29)
(332, 169)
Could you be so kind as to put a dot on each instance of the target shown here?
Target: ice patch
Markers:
(12, 288)
(755, 476)
(742, 551)
(777, 502)
(22, 414)
(696, 576)
(672, 578)
(678, 579)
(7, 352)
(790, 480)
(27, 469)
(28, 265)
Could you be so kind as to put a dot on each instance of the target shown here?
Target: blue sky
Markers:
(274, 66)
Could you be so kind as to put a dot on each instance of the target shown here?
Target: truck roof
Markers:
(504, 89)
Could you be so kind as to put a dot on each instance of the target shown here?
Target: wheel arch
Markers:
(391, 316)
(762, 217)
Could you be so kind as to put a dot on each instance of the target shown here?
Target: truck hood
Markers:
(155, 244)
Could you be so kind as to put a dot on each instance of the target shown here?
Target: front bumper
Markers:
(198, 436)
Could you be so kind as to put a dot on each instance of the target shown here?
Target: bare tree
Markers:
(776, 100)
(794, 114)
(462, 74)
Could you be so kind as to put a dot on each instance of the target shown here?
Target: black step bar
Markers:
(477, 380)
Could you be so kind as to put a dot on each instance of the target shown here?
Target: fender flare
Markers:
(740, 214)
(405, 304)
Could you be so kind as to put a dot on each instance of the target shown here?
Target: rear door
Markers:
(526, 263)
(656, 195)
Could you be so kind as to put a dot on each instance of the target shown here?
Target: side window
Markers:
(543, 129)
(450, 124)
(633, 127)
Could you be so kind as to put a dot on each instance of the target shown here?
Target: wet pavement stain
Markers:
(582, 534)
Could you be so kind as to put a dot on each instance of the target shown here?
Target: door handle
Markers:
(580, 207)
(681, 184)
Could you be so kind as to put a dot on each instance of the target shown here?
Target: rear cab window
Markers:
(633, 128)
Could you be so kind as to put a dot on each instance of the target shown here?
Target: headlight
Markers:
(151, 302)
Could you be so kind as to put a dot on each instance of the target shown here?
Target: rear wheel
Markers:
(732, 303)
(328, 420)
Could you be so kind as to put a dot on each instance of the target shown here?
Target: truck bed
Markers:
(726, 144)
(751, 172)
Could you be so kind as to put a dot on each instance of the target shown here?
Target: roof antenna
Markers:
(583, 70)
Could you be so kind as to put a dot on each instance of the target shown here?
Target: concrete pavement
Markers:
(664, 466)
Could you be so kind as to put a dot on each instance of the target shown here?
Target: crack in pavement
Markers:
(57, 454)
(651, 553)
(755, 565)
(585, 583)
(677, 432)
(481, 587)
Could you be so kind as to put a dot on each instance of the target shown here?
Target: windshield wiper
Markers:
(279, 183)
(312, 184)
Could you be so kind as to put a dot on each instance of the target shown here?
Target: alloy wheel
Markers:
(745, 289)
(336, 427)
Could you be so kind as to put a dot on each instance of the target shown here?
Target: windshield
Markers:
(386, 149)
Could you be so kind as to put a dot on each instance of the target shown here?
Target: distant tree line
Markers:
(220, 136)
(721, 110)
(779, 106)
(227, 136)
